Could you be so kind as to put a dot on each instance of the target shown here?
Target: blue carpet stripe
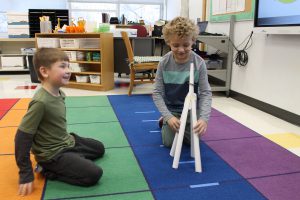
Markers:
(156, 163)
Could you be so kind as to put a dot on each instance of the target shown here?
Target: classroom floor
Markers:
(18, 89)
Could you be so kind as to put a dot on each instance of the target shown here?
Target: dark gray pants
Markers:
(75, 165)
(168, 134)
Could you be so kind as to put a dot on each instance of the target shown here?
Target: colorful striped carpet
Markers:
(237, 162)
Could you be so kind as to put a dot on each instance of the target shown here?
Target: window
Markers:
(3, 25)
(135, 12)
(91, 10)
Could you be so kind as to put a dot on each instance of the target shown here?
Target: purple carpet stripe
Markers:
(226, 128)
(204, 185)
(234, 138)
(216, 113)
(256, 157)
(279, 187)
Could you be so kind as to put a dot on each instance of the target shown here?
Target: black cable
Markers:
(241, 57)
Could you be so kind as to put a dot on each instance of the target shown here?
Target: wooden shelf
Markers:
(103, 68)
(12, 54)
(17, 39)
(79, 83)
(69, 35)
(87, 73)
(76, 49)
(86, 62)
(86, 86)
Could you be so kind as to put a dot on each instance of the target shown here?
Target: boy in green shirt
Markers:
(62, 156)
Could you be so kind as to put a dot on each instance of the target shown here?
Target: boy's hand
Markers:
(200, 127)
(25, 189)
(174, 123)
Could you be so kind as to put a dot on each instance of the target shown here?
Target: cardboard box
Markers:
(18, 31)
(17, 18)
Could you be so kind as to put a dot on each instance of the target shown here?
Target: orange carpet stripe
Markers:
(12, 118)
(7, 145)
(22, 104)
(9, 181)
(2, 113)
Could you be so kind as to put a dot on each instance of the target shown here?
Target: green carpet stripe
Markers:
(121, 174)
(87, 101)
(94, 117)
(135, 195)
(110, 134)
(90, 114)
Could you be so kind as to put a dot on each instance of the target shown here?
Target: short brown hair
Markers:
(182, 27)
(46, 57)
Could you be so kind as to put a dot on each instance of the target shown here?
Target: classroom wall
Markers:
(173, 8)
(273, 72)
(195, 10)
(23, 6)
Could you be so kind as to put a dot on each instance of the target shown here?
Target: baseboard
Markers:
(13, 72)
(268, 108)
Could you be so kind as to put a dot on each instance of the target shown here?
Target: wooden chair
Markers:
(145, 65)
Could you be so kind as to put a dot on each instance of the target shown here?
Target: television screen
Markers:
(276, 13)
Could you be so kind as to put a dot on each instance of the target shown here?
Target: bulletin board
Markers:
(246, 14)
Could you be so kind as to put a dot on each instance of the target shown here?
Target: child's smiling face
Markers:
(181, 47)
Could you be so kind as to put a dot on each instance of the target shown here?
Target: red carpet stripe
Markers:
(6, 104)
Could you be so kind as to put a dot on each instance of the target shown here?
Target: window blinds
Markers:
(120, 1)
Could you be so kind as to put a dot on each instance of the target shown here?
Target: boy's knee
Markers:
(93, 176)
(167, 138)
(168, 143)
(101, 149)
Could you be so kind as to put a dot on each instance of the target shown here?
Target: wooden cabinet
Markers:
(102, 67)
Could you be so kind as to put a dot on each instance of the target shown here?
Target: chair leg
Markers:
(152, 75)
(132, 77)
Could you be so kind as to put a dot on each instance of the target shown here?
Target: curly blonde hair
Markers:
(182, 27)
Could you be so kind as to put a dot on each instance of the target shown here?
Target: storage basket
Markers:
(69, 43)
(95, 79)
(71, 55)
(74, 67)
(89, 43)
(82, 78)
(48, 42)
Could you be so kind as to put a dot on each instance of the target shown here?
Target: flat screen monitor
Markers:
(277, 16)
